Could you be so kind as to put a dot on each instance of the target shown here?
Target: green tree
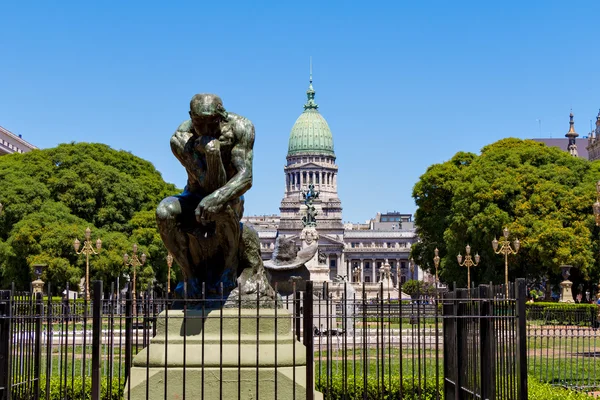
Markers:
(51, 196)
(542, 194)
(415, 288)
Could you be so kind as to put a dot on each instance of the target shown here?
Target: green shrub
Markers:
(73, 390)
(391, 390)
(355, 390)
(545, 391)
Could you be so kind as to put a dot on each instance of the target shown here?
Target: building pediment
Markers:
(326, 239)
(311, 165)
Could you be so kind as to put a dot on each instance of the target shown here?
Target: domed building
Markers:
(311, 160)
(358, 251)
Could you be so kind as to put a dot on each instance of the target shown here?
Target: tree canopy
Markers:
(51, 196)
(543, 195)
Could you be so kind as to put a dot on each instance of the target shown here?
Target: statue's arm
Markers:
(241, 158)
(178, 143)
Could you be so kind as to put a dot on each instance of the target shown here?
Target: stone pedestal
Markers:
(222, 359)
(319, 273)
(566, 295)
(37, 286)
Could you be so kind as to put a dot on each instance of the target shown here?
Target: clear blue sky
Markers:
(403, 85)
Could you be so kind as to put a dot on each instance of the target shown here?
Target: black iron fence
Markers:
(564, 345)
(329, 337)
(485, 353)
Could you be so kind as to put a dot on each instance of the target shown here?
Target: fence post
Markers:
(96, 329)
(521, 294)
(39, 313)
(128, 331)
(308, 340)
(448, 343)
(5, 314)
(486, 337)
(460, 338)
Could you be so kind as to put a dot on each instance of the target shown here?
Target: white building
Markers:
(11, 143)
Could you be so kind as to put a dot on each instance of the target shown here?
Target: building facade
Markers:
(357, 251)
(11, 143)
(593, 146)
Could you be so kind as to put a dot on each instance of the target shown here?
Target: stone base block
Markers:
(219, 384)
(225, 353)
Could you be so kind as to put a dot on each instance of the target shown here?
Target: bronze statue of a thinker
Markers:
(201, 227)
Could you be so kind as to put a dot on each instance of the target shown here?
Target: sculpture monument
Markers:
(201, 227)
(218, 344)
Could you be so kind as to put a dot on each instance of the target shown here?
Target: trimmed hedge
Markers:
(562, 313)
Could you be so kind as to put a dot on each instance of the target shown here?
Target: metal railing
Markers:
(115, 347)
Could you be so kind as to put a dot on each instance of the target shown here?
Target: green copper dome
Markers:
(310, 134)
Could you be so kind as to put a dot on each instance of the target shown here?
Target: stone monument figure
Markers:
(310, 219)
(201, 227)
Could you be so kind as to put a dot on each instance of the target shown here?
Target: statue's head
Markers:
(206, 111)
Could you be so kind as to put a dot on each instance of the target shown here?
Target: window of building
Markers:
(367, 279)
(332, 264)
(402, 264)
(367, 264)
(378, 264)
(403, 279)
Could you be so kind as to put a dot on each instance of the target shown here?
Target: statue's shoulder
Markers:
(182, 134)
(240, 125)
(185, 127)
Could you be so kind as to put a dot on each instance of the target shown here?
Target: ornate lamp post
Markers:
(412, 268)
(169, 264)
(468, 263)
(436, 262)
(135, 262)
(506, 250)
(88, 250)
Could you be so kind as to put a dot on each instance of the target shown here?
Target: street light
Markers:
(468, 263)
(88, 250)
(169, 264)
(506, 250)
(135, 262)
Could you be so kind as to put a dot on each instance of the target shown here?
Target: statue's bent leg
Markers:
(168, 213)
(253, 284)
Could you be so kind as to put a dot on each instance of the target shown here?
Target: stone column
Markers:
(348, 271)
(373, 272)
(362, 270)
